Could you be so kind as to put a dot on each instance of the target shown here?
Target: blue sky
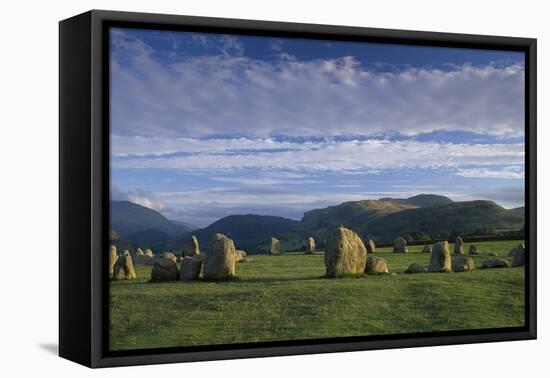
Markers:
(208, 125)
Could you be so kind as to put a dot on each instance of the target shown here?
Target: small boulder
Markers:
(240, 255)
(165, 268)
(274, 246)
(517, 249)
(376, 265)
(113, 258)
(310, 247)
(440, 260)
(519, 258)
(220, 258)
(191, 268)
(344, 253)
(400, 245)
(415, 268)
(459, 246)
(495, 263)
(473, 251)
(191, 247)
(124, 268)
(462, 263)
(427, 248)
(371, 247)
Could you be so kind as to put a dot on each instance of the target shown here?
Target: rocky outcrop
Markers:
(344, 253)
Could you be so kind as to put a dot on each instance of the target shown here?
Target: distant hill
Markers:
(247, 231)
(140, 224)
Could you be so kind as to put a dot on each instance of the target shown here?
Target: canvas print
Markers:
(267, 189)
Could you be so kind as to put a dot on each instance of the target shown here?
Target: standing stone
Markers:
(517, 249)
(427, 248)
(519, 257)
(400, 245)
(148, 252)
(240, 255)
(139, 252)
(310, 248)
(124, 268)
(462, 263)
(376, 265)
(220, 258)
(191, 247)
(165, 268)
(415, 268)
(440, 260)
(191, 268)
(459, 246)
(113, 258)
(344, 253)
(473, 251)
(371, 247)
(495, 263)
(274, 246)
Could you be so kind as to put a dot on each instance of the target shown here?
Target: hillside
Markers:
(141, 224)
(247, 231)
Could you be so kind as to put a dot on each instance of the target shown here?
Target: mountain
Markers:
(140, 224)
(247, 231)
(470, 217)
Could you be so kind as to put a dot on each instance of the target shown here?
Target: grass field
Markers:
(285, 298)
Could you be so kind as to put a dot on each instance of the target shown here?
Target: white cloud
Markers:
(512, 172)
(233, 94)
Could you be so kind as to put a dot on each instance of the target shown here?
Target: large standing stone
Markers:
(191, 247)
(427, 248)
(371, 246)
(519, 257)
(376, 265)
(274, 246)
(191, 268)
(220, 258)
(400, 245)
(310, 247)
(165, 268)
(415, 268)
(344, 253)
(459, 246)
(440, 260)
(240, 255)
(462, 263)
(495, 263)
(113, 258)
(473, 251)
(124, 268)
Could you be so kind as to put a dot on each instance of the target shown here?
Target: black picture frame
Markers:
(84, 187)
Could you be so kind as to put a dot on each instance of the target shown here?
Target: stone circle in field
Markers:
(495, 263)
(400, 245)
(427, 248)
(165, 268)
(459, 246)
(371, 247)
(191, 267)
(274, 246)
(240, 255)
(344, 253)
(376, 265)
(462, 264)
(415, 268)
(440, 260)
(191, 247)
(473, 251)
(124, 268)
(310, 247)
(220, 258)
(113, 258)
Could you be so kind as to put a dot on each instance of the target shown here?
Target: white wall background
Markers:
(29, 185)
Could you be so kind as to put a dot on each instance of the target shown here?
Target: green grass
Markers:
(285, 298)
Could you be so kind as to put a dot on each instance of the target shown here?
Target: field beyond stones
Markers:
(285, 298)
